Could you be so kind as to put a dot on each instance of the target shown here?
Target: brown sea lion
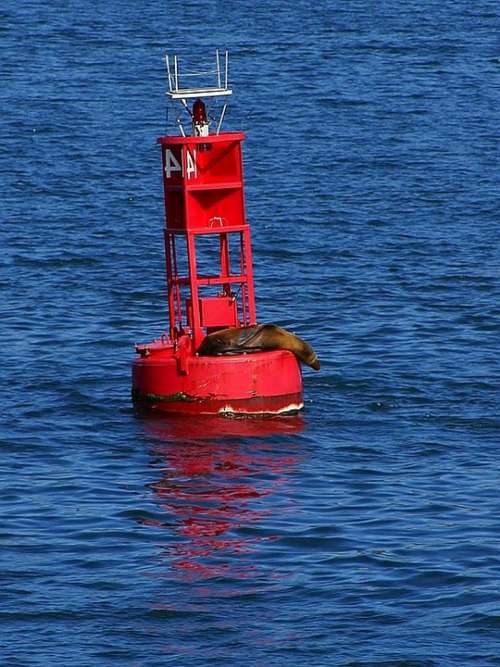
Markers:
(259, 338)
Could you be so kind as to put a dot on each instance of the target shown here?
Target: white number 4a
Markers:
(172, 164)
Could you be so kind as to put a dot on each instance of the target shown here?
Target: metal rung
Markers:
(211, 280)
(207, 71)
(185, 93)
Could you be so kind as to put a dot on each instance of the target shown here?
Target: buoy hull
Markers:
(258, 384)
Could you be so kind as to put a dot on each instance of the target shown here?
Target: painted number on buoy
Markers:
(172, 164)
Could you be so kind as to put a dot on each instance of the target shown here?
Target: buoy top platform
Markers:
(214, 358)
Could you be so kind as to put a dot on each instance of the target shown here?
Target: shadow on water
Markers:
(215, 491)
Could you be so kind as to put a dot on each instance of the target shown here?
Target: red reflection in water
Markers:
(174, 428)
(211, 488)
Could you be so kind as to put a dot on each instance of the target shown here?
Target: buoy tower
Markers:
(209, 271)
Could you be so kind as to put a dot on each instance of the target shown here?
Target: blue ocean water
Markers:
(365, 532)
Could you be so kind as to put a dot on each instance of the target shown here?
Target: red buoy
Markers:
(209, 281)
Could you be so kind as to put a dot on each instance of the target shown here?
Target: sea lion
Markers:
(258, 338)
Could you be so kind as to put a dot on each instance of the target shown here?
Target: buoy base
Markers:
(262, 407)
(241, 385)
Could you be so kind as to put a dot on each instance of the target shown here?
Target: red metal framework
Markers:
(203, 191)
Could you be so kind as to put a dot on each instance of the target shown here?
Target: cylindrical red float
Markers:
(262, 383)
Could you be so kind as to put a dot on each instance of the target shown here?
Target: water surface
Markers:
(364, 532)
